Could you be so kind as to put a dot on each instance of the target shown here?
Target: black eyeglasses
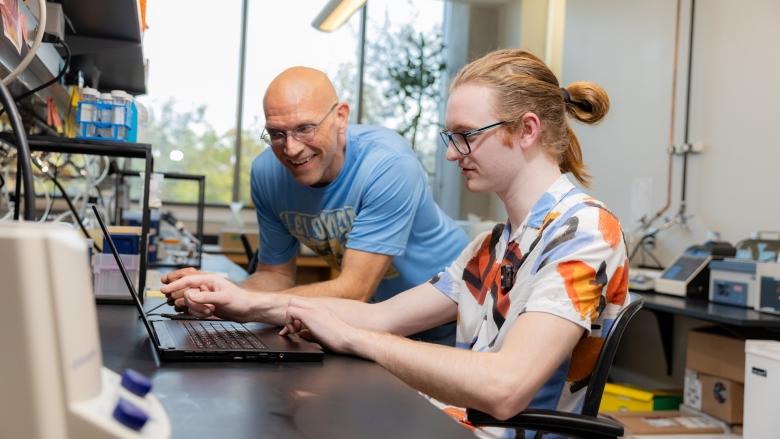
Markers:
(460, 140)
(303, 133)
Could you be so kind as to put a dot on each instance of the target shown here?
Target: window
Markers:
(193, 51)
(405, 69)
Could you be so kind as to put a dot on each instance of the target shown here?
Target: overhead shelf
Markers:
(106, 40)
(43, 67)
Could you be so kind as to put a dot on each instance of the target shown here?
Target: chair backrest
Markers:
(598, 378)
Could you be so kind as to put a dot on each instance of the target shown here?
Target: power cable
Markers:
(68, 202)
(22, 155)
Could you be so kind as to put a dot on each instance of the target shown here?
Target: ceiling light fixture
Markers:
(336, 13)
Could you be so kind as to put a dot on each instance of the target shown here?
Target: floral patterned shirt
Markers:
(568, 258)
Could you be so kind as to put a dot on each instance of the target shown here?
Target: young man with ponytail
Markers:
(531, 298)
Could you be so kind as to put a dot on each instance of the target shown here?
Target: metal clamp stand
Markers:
(110, 149)
(201, 179)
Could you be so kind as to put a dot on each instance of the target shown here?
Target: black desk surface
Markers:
(713, 312)
(341, 397)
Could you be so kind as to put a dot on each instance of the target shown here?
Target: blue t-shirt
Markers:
(379, 203)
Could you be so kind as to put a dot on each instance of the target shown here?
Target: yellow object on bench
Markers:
(621, 397)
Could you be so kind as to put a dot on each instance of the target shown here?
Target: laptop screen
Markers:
(125, 276)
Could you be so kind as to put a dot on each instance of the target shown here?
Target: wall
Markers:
(511, 25)
(556, 24)
(628, 47)
(484, 20)
(533, 22)
(734, 111)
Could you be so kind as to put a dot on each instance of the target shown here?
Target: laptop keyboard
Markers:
(221, 335)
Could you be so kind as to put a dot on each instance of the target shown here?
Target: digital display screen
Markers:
(684, 267)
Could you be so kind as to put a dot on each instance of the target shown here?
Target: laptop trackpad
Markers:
(167, 340)
(275, 342)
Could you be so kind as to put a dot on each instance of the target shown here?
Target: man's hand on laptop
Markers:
(176, 298)
(178, 274)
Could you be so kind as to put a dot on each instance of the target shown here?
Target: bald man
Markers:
(356, 195)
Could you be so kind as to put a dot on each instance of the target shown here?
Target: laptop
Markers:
(217, 340)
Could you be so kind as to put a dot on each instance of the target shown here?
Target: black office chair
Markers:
(251, 255)
(585, 424)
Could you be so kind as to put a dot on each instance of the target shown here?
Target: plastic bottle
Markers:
(122, 101)
(88, 115)
(106, 116)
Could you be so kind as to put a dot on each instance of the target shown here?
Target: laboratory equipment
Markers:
(54, 385)
(734, 282)
(121, 109)
(106, 116)
(689, 275)
(762, 246)
(642, 278)
(88, 111)
(762, 385)
(769, 288)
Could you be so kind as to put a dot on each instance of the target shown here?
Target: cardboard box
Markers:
(97, 235)
(722, 398)
(665, 422)
(622, 397)
(713, 352)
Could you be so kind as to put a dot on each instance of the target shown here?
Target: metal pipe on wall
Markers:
(361, 61)
(672, 127)
(687, 135)
(240, 104)
(672, 118)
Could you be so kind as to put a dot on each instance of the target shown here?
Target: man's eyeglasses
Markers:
(460, 140)
(302, 133)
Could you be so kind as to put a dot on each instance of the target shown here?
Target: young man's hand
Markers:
(311, 320)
